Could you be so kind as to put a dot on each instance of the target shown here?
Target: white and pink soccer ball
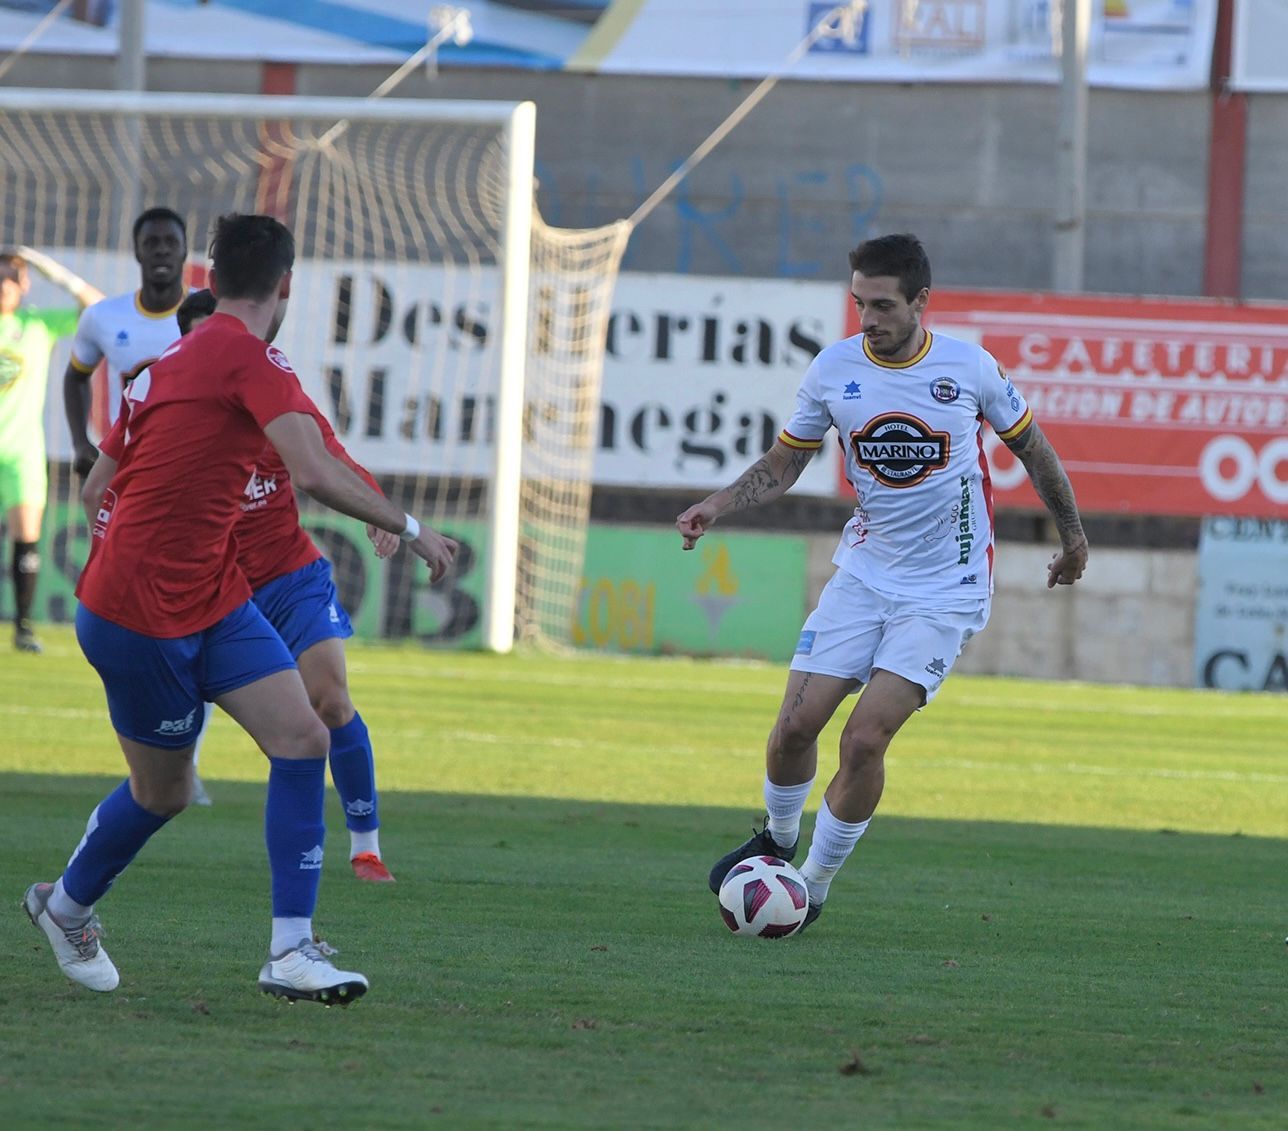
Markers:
(765, 897)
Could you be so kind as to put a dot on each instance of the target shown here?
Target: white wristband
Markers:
(411, 531)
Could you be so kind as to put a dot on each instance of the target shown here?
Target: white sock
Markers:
(364, 842)
(833, 841)
(784, 804)
(287, 934)
(208, 709)
(65, 910)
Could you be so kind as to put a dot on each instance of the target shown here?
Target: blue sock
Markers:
(115, 832)
(353, 769)
(294, 832)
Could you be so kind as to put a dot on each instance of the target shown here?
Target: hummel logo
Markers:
(177, 726)
(360, 808)
(311, 860)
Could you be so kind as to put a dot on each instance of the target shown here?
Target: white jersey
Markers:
(120, 330)
(914, 453)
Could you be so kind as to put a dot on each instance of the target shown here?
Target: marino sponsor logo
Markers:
(965, 524)
(311, 860)
(899, 450)
(970, 579)
(945, 390)
(178, 726)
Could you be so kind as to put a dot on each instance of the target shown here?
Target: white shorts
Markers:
(854, 630)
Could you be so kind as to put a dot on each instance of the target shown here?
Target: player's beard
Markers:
(887, 348)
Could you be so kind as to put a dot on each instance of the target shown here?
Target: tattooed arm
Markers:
(765, 480)
(1052, 485)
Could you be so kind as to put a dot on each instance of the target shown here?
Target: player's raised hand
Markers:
(694, 522)
(386, 544)
(1068, 565)
(436, 550)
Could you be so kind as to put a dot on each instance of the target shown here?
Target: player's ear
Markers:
(211, 285)
(923, 297)
(284, 287)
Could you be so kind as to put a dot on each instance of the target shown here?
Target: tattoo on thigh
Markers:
(799, 701)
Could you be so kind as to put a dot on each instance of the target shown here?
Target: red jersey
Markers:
(270, 541)
(163, 557)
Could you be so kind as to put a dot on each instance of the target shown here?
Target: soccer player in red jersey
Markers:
(291, 584)
(165, 614)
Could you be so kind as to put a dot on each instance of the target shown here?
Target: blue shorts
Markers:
(304, 608)
(156, 688)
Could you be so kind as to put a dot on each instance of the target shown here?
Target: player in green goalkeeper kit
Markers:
(27, 339)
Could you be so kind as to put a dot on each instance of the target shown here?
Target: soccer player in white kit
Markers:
(124, 331)
(914, 567)
(128, 328)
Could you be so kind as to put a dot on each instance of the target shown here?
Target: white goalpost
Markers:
(454, 340)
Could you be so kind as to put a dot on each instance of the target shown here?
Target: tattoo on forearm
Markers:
(1051, 484)
(752, 485)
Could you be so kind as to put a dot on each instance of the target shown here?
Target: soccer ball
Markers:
(765, 897)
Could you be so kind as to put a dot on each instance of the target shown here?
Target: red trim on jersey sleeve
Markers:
(1018, 428)
(799, 442)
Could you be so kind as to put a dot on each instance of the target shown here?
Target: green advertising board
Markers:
(733, 595)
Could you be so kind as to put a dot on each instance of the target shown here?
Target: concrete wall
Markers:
(1129, 620)
(819, 166)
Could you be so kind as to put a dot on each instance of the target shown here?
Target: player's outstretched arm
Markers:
(1052, 485)
(86, 294)
(763, 482)
(298, 440)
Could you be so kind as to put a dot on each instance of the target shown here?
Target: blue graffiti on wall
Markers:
(706, 214)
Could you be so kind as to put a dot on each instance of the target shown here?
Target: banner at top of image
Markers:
(1142, 44)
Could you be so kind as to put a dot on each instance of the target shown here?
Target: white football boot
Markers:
(79, 954)
(307, 974)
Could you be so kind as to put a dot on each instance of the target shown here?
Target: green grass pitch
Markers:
(1070, 911)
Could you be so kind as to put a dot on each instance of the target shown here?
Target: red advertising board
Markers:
(1156, 406)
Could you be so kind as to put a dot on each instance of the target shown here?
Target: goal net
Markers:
(454, 340)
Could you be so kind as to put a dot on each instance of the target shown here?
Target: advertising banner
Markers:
(1259, 62)
(1142, 44)
(1156, 406)
(734, 594)
(1241, 614)
(700, 374)
(532, 34)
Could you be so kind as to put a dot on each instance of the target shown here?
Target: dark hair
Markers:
(159, 214)
(199, 304)
(250, 254)
(11, 265)
(899, 255)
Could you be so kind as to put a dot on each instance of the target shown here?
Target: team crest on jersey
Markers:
(945, 390)
(278, 358)
(899, 450)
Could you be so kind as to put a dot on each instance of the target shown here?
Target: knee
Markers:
(791, 736)
(864, 744)
(163, 799)
(332, 705)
